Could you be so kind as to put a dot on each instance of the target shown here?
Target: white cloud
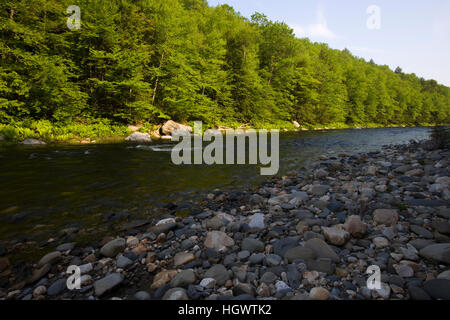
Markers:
(315, 30)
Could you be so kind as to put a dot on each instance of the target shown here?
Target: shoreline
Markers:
(310, 234)
(156, 137)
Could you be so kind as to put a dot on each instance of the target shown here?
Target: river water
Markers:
(97, 187)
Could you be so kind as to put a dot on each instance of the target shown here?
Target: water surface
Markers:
(45, 189)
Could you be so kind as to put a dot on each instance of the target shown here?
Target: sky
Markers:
(414, 34)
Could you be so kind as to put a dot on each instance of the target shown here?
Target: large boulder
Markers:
(32, 142)
(139, 137)
(170, 126)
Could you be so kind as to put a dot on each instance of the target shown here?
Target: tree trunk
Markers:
(157, 80)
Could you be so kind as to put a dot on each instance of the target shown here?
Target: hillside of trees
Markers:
(144, 61)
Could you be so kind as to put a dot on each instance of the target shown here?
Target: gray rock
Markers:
(424, 233)
(417, 293)
(437, 253)
(65, 247)
(243, 255)
(162, 228)
(219, 273)
(50, 258)
(280, 247)
(107, 283)
(32, 142)
(171, 127)
(273, 260)
(175, 294)
(322, 249)
(113, 248)
(183, 279)
(139, 137)
(299, 252)
(421, 243)
(256, 221)
(142, 295)
(442, 226)
(252, 245)
(57, 287)
(269, 277)
(123, 262)
(319, 189)
(321, 265)
(215, 223)
(438, 288)
(256, 258)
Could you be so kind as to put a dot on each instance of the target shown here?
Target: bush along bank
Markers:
(103, 131)
(310, 234)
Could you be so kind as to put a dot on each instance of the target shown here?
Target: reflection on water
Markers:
(46, 189)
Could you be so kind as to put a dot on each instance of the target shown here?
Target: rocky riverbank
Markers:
(310, 234)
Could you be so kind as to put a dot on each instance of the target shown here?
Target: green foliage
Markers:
(145, 61)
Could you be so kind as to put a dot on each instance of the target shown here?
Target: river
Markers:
(98, 187)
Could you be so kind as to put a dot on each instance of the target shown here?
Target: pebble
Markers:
(319, 293)
(107, 283)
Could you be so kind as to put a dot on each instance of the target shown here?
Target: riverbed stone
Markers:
(422, 232)
(318, 293)
(175, 294)
(380, 242)
(139, 137)
(32, 142)
(107, 283)
(336, 236)
(321, 249)
(439, 253)
(388, 217)
(319, 189)
(355, 226)
(252, 245)
(57, 287)
(113, 247)
(219, 273)
(256, 221)
(404, 271)
(183, 279)
(162, 278)
(182, 258)
(280, 247)
(218, 240)
(50, 258)
(123, 262)
(438, 288)
(142, 295)
(299, 252)
(170, 127)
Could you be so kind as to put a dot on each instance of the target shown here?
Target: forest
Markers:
(146, 61)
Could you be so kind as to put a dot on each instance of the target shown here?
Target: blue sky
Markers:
(414, 35)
